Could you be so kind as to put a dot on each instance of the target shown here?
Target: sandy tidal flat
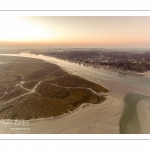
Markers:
(144, 115)
(88, 118)
(147, 74)
(91, 118)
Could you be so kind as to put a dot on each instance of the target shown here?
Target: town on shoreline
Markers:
(135, 63)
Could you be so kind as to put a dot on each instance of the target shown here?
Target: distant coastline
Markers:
(134, 63)
(146, 74)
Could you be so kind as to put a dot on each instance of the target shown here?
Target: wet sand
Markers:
(143, 109)
(147, 74)
(89, 118)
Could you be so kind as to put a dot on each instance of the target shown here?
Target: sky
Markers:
(75, 31)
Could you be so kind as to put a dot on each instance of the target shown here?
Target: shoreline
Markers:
(70, 72)
(144, 115)
(58, 124)
(134, 120)
(109, 68)
(85, 77)
(102, 118)
(147, 74)
(82, 106)
(78, 108)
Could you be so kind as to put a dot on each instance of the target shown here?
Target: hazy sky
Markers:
(76, 31)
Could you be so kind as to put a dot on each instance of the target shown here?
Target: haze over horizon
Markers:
(76, 31)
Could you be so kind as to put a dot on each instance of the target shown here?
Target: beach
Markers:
(143, 110)
(87, 118)
(147, 74)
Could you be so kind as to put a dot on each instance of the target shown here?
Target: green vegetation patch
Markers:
(74, 81)
(52, 95)
(43, 72)
(48, 104)
(12, 92)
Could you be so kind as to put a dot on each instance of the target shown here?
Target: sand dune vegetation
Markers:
(31, 89)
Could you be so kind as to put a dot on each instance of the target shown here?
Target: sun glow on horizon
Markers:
(17, 29)
(75, 31)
